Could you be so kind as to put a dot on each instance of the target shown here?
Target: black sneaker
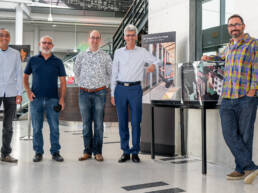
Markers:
(57, 157)
(124, 158)
(135, 158)
(38, 157)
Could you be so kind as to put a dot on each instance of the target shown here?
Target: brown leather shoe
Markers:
(235, 176)
(84, 157)
(99, 157)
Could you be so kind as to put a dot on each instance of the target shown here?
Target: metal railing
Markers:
(137, 15)
(70, 62)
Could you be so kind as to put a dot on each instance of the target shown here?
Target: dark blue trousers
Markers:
(129, 97)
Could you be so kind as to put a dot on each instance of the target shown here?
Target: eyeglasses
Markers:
(130, 35)
(48, 43)
(4, 35)
(95, 38)
(235, 25)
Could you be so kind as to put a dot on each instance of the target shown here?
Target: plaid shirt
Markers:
(241, 67)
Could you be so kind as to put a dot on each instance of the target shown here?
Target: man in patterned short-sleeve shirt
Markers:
(92, 71)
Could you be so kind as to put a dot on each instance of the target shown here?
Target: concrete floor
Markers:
(72, 176)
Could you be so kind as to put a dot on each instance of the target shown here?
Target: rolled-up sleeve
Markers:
(254, 75)
(219, 57)
(150, 59)
(115, 70)
(19, 75)
(108, 68)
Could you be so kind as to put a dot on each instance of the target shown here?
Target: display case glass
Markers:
(201, 82)
(198, 83)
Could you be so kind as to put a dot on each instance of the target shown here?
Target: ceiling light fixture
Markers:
(50, 18)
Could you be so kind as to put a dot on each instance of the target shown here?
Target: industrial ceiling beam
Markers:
(18, 1)
(26, 10)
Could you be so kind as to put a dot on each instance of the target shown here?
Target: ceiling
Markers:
(94, 5)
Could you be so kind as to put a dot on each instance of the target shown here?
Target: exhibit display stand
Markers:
(199, 90)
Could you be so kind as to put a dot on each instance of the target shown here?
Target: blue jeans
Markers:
(92, 110)
(38, 107)
(237, 119)
(132, 97)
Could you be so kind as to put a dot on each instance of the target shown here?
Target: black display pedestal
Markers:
(164, 129)
(205, 105)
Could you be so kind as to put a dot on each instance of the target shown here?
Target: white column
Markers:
(36, 40)
(19, 25)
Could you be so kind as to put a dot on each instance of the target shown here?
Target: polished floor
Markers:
(162, 175)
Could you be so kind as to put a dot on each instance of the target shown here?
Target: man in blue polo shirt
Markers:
(43, 95)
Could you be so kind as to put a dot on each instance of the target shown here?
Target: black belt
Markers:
(129, 83)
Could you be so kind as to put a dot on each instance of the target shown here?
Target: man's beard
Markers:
(45, 51)
(237, 35)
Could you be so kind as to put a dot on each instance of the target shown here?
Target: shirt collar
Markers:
(52, 55)
(245, 38)
(135, 48)
(88, 50)
(5, 50)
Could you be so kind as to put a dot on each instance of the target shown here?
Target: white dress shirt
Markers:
(128, 65)
(11, 73)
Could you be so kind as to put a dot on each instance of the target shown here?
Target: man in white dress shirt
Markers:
(11, 90)
(127, 74)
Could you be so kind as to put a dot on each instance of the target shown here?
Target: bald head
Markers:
(4, 30)
(4, 38)
(94, 40)
(94, 32)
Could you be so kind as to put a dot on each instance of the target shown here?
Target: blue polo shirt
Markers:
(45, 75)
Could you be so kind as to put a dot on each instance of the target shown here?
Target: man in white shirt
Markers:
(11, 90)
(127, 74)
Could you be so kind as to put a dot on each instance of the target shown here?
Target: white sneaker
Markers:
(250, 176)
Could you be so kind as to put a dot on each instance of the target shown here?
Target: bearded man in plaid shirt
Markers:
(239, 93)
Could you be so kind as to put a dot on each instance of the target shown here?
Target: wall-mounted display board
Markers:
(161, 84)
(24, 51)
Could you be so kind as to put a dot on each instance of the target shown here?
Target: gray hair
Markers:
(4, 29)
(47, 36)
(130, 27)
(94, 31)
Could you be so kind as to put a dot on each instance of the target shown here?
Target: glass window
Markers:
(210, 14)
